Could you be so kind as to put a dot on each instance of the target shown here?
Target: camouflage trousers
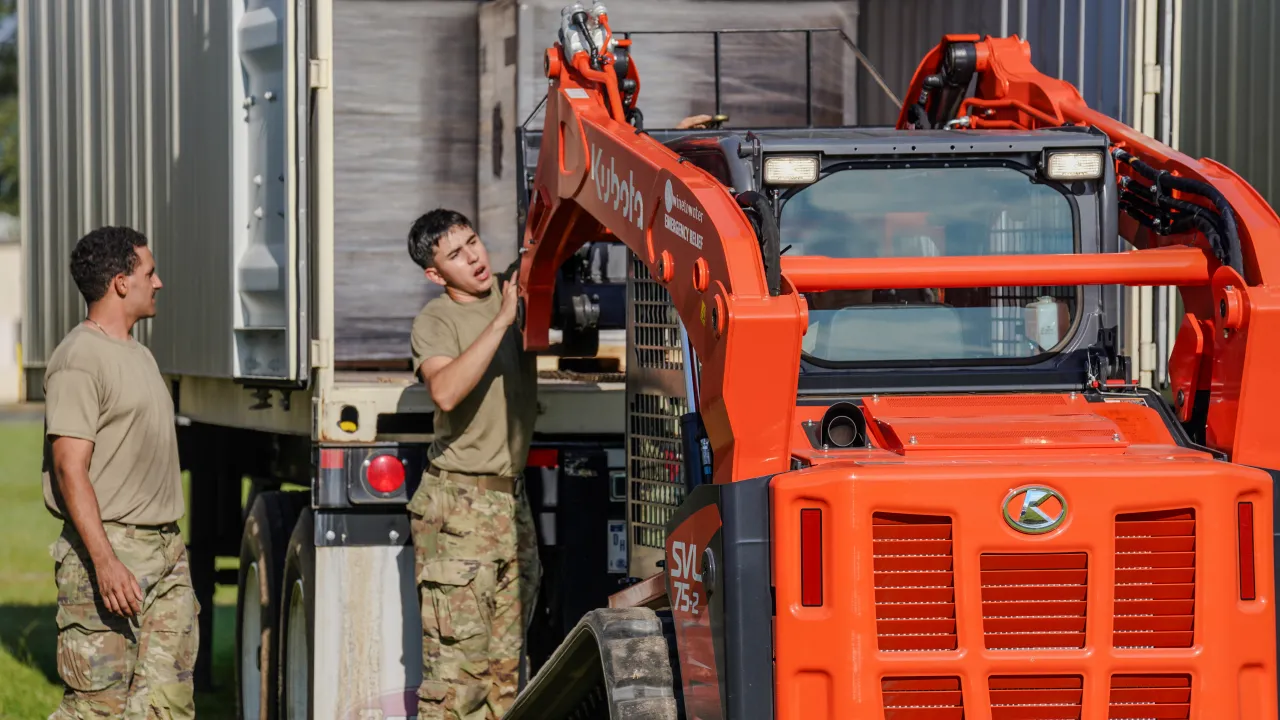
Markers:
(476, 556)
(113, 666)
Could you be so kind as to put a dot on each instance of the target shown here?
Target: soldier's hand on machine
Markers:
(702, 122)
(510, 296)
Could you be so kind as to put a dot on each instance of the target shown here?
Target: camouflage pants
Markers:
(112, 666)
(476, 556)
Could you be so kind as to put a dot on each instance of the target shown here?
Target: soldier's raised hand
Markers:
(510, 296)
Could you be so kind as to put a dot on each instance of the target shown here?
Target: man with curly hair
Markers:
(127, 632)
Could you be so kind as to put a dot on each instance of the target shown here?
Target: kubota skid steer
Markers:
(885, 459)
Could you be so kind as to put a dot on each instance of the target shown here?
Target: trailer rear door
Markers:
(187, 122)
(269, 259)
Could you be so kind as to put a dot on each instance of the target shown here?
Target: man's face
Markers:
(141, 286)
(461, 263)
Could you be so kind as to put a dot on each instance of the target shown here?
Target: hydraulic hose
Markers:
(1143, 197)
(580, 19)
(770, 237)
(1162, 179)
(1139, 207)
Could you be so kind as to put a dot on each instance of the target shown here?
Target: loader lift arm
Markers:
(598, 175)
(1229, 336)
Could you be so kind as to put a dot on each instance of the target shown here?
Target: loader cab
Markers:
(884, 193)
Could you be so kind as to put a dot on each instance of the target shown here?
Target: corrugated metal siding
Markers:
(1230, 79)
(1093, 53)
(127, 105)
(405, 81)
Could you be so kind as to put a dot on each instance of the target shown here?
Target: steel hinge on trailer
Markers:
(319, 354)
(318, 73)
(1152, 78)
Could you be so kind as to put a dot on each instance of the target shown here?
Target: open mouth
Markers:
(482, 273)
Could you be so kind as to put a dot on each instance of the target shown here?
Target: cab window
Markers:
(900, 212)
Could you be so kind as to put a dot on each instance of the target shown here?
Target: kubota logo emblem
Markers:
(1034, 509)
(616, 189)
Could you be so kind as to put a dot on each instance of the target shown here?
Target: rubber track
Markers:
(613, 665)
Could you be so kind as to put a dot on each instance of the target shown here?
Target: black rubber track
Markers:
(613, 665)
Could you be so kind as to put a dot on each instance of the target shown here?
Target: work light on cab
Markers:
(384, 473)
(1073, 165)
(791, 170)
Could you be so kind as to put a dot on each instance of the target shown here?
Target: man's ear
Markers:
(120, 283)
(434, 276)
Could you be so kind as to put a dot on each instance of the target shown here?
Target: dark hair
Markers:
(101, 255)
(427, 230)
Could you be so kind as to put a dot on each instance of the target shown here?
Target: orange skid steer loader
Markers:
(914, 478)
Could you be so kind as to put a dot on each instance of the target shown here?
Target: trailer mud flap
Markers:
(720, 589)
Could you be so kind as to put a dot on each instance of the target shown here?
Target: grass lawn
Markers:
(29, 686)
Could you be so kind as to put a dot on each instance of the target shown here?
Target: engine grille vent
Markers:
(1167, 697)
(1019, 697)
(657, 487)
(654, 321)
(1155, 579)
(914, 582)
(922, 698)
(1034, 601)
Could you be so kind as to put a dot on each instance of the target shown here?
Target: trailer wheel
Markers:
(297, 621)
(262, 548)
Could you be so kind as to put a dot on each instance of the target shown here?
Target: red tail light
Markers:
(810, 557)
(1248, 590)
(543, 458)
(385, 473)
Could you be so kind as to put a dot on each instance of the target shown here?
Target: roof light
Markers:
(791, 170)
(385, 473)
(1074, 166)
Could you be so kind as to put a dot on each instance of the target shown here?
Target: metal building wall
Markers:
(1085, 42)
(1230, 76)
(125, 108)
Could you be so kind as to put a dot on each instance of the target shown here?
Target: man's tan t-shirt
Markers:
(111, 392)
(489, 432)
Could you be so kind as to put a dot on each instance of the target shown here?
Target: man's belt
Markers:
(497, 483)
(132, 528)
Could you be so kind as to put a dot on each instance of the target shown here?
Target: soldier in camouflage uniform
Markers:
(474, 540)
(127, 633)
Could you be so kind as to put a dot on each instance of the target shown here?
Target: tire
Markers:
(297, 622)
(262, 549)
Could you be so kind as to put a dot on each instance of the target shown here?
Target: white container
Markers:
(1044, 314)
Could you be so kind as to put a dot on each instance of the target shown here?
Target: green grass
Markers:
(29, 685)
